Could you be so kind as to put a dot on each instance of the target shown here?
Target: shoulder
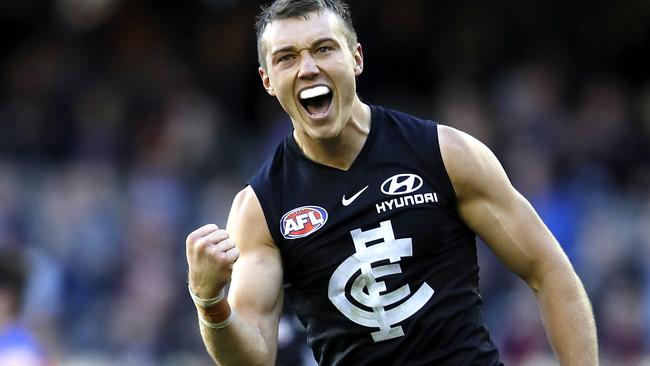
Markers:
(246, 202)
(418, 133)
(246, 220)
(472, 167)
(273, 162)
(399, 117)
(266, 189)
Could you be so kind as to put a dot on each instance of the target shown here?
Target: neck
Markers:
(340, 151)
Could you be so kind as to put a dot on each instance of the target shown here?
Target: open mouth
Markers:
(316, 100)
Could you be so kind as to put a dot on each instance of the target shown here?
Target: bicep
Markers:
(514, 232)
(496, 212)
(256, 288)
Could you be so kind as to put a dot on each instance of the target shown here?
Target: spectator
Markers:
(18, 346)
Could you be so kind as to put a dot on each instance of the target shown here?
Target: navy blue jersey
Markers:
(378, 266)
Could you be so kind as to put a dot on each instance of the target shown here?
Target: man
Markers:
(367, 218)
(18, 347)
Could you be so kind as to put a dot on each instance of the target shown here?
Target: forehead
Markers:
(301, 31)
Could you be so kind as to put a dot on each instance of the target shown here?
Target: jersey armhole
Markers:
(267, 209)
(441, 170)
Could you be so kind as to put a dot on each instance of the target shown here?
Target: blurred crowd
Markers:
(126, 124)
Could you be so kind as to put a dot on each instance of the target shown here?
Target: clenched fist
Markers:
(210, 257)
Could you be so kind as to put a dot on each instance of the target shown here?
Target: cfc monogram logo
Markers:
(375, 315)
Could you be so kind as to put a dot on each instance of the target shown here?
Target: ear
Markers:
(265, 81)
(357, 53)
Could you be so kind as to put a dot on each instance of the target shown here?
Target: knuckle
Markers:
(215, 237)
(191, 238)
(199, 244)
(201, 232)
(229, 243)
(234, 252)
(198, 247)
(206, 229)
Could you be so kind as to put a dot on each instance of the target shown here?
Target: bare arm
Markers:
(506, 221)
(255, 294)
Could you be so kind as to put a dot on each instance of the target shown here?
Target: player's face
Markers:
(312, 71)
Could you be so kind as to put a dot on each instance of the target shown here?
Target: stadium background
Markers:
(126, 124)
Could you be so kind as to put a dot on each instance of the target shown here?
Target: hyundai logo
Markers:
(401, 184)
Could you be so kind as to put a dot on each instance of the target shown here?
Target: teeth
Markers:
(314, 92)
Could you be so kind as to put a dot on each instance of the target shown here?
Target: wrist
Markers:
(215, 316)
(213, 313)
(203, 302)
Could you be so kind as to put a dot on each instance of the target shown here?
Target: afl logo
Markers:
(401, 184)
(302, 221)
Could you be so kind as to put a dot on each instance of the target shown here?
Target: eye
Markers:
(323, 49)
(284, 58)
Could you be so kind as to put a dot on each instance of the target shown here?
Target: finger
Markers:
(201, 232)
(215, 237)
(223, 246)
(232, 255)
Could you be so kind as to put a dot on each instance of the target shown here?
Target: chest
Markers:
(392, 211)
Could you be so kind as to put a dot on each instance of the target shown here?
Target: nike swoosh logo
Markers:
(348, 201)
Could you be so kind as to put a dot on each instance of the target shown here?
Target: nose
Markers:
(308, 67)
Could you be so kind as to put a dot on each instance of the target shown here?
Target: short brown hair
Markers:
(283, 9)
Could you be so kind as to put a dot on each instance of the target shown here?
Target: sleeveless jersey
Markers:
(377, 264)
